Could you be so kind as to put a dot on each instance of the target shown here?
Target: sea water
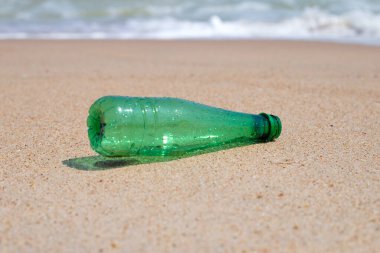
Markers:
(342, 20)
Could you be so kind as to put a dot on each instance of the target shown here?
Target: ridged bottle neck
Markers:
(272, 127)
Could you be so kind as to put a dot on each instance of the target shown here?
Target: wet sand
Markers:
(315, 189)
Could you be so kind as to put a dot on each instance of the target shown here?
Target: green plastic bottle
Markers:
(150, 126)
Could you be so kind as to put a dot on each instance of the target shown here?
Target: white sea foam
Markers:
(357, 21)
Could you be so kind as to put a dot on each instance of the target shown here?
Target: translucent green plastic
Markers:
(149, 126)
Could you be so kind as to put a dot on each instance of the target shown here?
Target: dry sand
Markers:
(315, 189)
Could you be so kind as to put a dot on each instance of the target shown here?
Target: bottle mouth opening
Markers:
(275, 126)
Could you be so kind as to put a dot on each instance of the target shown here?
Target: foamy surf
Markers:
(276, 19)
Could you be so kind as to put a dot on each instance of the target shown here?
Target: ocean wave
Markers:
(357, 21)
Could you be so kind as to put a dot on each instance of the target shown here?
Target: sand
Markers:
(315, 189)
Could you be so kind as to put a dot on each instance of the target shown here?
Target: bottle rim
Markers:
(275, 126)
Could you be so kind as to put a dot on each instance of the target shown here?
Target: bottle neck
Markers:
(271, 127)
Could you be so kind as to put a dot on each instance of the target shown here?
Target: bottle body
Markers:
(130, 126)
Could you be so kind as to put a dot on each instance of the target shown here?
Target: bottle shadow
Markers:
(98, 162)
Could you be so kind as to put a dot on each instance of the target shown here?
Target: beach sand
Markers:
(315, 189)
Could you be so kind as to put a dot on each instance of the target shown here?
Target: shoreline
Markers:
(357, 42)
